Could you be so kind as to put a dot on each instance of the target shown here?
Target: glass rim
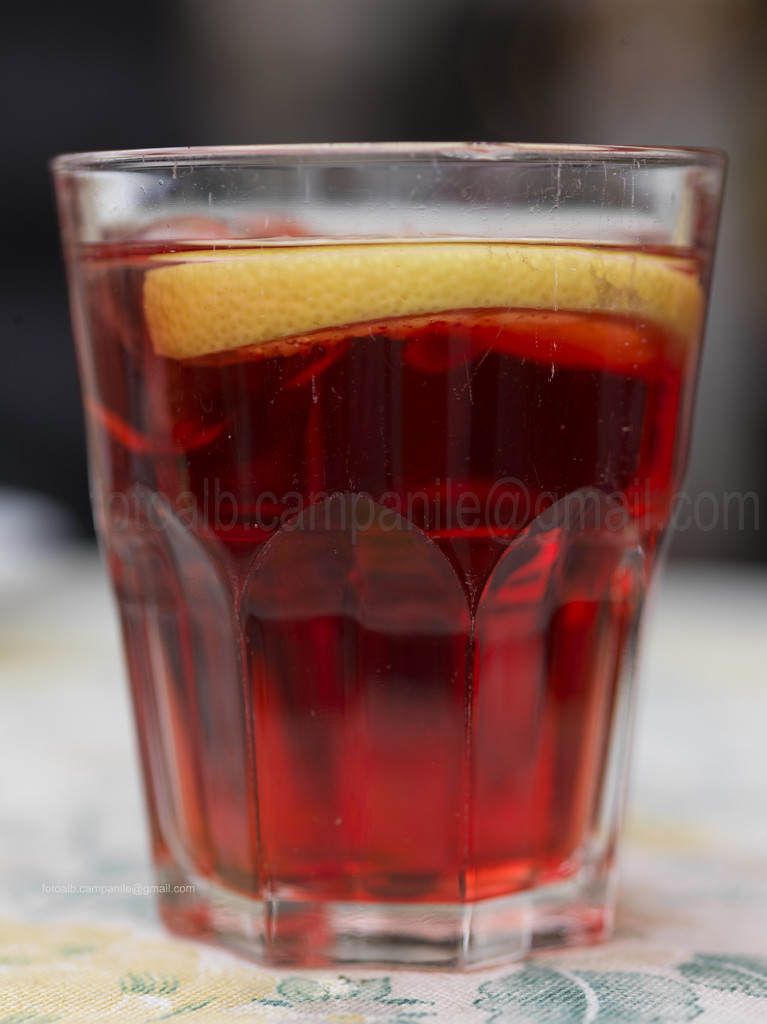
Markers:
(381, 152)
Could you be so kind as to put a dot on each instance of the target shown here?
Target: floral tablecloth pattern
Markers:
(80, 940)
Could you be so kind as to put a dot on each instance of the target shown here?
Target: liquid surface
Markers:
(379, 583)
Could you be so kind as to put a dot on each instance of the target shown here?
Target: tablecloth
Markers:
(80, 939)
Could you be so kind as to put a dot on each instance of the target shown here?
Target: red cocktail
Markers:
(380, 518)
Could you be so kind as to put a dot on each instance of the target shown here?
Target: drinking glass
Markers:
(384, 443)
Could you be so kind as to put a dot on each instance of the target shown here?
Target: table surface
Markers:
(691, 936)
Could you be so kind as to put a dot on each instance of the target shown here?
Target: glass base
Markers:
(290, 933)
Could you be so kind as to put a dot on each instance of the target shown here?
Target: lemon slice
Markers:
(217, 300)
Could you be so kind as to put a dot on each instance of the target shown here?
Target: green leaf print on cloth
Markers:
(554, 995)
(747, 974)
(351, 995)
(147, 985)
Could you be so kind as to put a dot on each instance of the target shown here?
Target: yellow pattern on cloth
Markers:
(82, 973)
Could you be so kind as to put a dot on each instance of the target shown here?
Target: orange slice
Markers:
(221, 299)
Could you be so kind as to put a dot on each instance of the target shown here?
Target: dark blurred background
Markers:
(195, 72)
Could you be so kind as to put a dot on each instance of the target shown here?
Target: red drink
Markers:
(380, 495)
(379, 583)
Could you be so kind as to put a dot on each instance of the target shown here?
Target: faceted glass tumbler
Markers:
(384, 442)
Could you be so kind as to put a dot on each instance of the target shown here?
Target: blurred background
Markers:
(195, 72)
